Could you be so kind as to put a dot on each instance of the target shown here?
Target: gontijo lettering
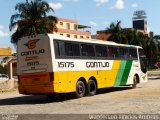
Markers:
(97, 64)
(33, 52)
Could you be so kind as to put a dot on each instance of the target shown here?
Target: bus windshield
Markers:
(143, 60)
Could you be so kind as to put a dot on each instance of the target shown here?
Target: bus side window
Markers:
(59, 48)
(101, 51)
(72, 49)
(84, 50)
(133, 53)
(87, 50)
(123, 53)
(126, 53)
(116, 52)
(91, 51)
(110, 52)
(69, 49)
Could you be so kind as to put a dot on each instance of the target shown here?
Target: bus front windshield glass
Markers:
(143, 60)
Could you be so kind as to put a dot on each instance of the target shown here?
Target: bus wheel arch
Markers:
(81, 88)
(136, 80)
(92, 86)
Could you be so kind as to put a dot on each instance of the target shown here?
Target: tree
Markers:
(117, 33)
(3, 70)
(152, 51)
(5, 60)
(32, 19)
(151, 46)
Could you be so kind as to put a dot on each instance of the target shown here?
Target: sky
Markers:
(95, 13)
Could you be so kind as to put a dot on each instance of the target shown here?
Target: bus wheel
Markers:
(92, 87)
(135, 82)
(51, 96)
(80, 89)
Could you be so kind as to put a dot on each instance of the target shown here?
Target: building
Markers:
(72, 29)
(140, 21)
(103, 35)
(12, 68)
(139, 24)
(6, 51)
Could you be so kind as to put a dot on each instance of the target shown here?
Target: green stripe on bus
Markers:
(120, 73)
(126, 72)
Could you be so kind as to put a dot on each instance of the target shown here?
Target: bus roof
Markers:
(97, 41)
(64, 38)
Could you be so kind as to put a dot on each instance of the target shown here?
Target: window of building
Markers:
(61, 23)
(67, 26)
(75, 36)
(87, 37)
(75, 26)
(81, 36)
(68, 35)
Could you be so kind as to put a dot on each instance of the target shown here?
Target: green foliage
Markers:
(3, 70)
(117, 33)
(133, 37)
(31, 18)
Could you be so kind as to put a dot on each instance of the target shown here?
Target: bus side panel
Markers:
(65, 81)
(126, 72)
(135, 69)
(106, 78)
(120, 73)
(128, 69)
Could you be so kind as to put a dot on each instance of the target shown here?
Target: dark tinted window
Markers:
(133, 53)
(101, 51)
(110, 52)
(72, 49)
(59, 48)
(115, 52)
(141, 52)
(87, 50)
(123, 52)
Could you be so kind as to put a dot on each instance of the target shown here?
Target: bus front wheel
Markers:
(92, 87)
(80, 89)
(135, 82)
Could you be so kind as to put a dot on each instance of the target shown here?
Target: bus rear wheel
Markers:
(92, 87)
(80, 89)
(51, 96)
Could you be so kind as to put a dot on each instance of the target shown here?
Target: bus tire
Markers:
(92, 88)
(135, 82)
(80, 89)
(51, 96)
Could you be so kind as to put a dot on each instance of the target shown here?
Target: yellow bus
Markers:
(50, 64)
